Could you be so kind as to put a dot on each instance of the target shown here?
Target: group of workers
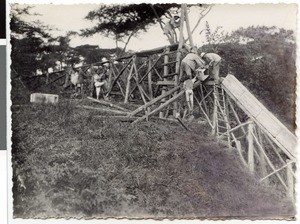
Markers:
(99, 80)
(193, 67)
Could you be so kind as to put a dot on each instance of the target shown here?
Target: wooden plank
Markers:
(287, 139)
(265, 119)
(150, 78)
(250, 103)
(117, 117)
(107, 103)
(103, 109)
(155, 100)
(141, 90)
(165, 83)
(118, 82)
(290, 181)
(250, 147)
(182, 124)
(230, 84)
(128, 84)
(162, 106)
(166, 72)
(269, 123)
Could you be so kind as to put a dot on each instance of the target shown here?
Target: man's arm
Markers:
(199, 61)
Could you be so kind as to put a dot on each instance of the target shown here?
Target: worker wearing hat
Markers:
(213, 61)
(189, 64)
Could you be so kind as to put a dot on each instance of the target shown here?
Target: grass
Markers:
(76, 165)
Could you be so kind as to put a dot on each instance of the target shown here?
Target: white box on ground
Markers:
(43, 98)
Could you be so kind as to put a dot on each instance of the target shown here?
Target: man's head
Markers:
(194, 50)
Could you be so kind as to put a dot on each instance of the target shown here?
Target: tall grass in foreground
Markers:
(74, 164)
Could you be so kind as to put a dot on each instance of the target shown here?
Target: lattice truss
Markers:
(255, 146)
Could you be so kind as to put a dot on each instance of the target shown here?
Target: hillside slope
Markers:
(73, 164)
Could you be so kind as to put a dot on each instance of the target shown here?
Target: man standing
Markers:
(189, 94)
(213, 62)
(189, 64)
(169, 29)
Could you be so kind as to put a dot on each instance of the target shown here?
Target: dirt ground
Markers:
(68, 163)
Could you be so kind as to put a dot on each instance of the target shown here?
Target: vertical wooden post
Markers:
(262, 160)
(110, 74)
(290, 180)
(150, 77)
(166, 72)
(188, 26)
(250, 148)
(128, 82)
(92, 80)
(178, 57)
(214, 115)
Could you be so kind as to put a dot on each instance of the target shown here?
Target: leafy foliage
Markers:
(121, 20)
(29, 42)
(263, 59)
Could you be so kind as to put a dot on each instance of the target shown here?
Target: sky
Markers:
(230, 17)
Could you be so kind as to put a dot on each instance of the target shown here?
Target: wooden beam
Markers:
(54, 80)
(107, 104)
(277, 170)
(144, 76)
(162, 106)
(188, 26)
(137, 82)
(250, 147)
(269, 162)
(119, 75)
(150, 78)
(239, 148)
(128, 84)
(117, 117)
(166, 72)
(118, 82)
(206, 116)
(165, 83)
(182, 124)
(236, 115)
(155, 100)
(103, 109)
(290, 181)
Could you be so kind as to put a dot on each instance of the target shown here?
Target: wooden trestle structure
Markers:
(235, 116)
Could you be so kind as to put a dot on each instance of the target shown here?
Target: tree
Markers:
(125, 21)
(263, 59)
(29, 42)
(122, 22)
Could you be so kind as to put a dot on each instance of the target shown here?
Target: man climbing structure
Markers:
(213, 61)
(189, 64)
(169, 29)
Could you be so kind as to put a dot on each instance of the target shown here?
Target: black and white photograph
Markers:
(153, 111)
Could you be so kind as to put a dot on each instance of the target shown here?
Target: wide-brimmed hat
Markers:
(202, 54)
